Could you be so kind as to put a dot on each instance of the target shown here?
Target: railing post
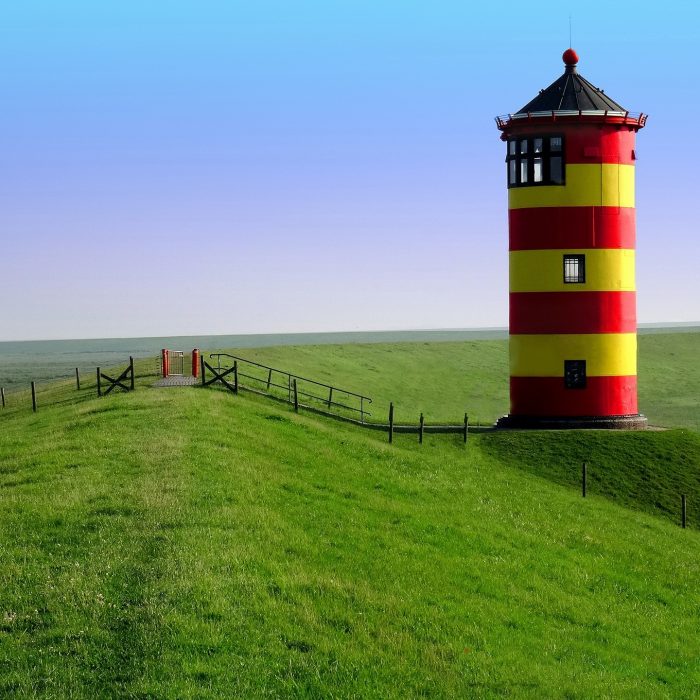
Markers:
(34, 397)
(99, 383)
(420, 429)
(584, 479)
(235, 376)
(131, 367)
(466, 428)
(77, 379)
(2, 394)
(683, 511)
(391, 422)
(296, 397)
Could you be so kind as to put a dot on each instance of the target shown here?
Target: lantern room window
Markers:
(574, 269)
(536, 160)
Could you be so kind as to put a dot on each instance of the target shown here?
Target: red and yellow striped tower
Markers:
(573, 326)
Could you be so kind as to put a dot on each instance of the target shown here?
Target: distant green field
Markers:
(189, 543)
(446, 379)
(442, 379)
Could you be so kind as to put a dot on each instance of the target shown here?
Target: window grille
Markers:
(574, 269)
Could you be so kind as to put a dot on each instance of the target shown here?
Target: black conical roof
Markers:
(571, 92)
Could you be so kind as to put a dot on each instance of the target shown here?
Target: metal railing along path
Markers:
(332, 398)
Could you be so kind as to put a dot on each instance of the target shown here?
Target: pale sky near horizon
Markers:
(212, 167)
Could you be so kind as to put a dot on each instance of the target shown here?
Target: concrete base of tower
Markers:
(629, 422)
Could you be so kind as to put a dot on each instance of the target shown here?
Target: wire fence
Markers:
(41, 393)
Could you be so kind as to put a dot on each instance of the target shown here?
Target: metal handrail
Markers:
(630, 117)
(327, 401)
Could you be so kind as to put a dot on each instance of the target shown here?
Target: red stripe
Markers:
(572, 227)
(547, 396)
(595, 145)
(588, 143)
(573, 312)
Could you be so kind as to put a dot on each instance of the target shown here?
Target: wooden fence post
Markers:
(584, 479)
(420, 429)
(2, 394)
(466, 428)
(683, 511)
(34, 397)
(269, 380)
(131, 367)
(235, 376)
(77, 379)
(330, 398)
(99, 383)
(391, 422)
(203, 369)
(296, 395)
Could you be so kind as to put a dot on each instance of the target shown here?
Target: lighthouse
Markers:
(570, 159)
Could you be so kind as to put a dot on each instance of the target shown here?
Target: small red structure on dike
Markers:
(172, 363)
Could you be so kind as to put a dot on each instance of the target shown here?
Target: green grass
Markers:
(444, 380)
(669, 379)
(189, 543)
(644, 470)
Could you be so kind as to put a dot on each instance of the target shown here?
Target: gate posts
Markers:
(195, 363)
(165, 363)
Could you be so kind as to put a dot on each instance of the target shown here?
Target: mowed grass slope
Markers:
(441, 379)
(188, 543)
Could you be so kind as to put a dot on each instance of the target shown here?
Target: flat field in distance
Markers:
(445, 379)
(442, 373)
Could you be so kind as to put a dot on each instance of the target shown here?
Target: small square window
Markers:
(575, 374)
(574, 269)
(537, 145)
(511, 148)
(555, 143)
(523, 146)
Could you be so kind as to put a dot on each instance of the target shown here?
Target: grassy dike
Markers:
(188, 543)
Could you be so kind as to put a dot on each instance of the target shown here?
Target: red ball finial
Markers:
(570, 57)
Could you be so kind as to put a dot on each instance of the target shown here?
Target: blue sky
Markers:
(235, 167)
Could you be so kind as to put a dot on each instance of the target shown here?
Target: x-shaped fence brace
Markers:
(220, 376)
(128, 373)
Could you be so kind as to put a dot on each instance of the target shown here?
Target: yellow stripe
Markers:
(606, 354)
(587, 185)
(607, 270)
